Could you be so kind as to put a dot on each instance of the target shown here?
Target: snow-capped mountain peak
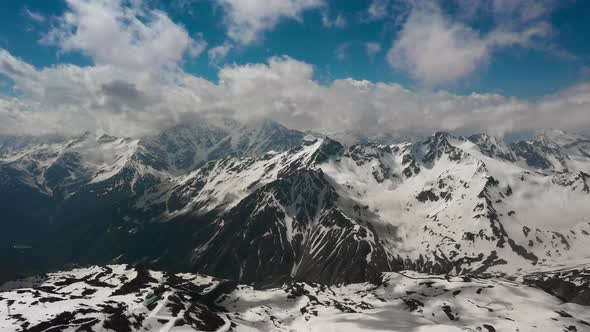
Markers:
(259, 202)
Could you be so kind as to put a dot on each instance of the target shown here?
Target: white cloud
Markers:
(338, 22)
(34, 15)
(372, 49)
(286, 76)
(349, 105)
(501, 11)
(128, 35)
(341, 51)
(378, 9)
(70, 99)
(197, 46)
(218, 53)
(185, 6)
(247, 20)
(435, 50)
(522, 10)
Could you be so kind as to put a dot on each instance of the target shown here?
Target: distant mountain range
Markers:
(260, 203)
(294, 214)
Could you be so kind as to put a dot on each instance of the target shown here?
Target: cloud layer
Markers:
(70, 99)
(137, 86)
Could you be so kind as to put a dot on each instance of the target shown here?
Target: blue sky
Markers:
(133, 66)
(337, 52)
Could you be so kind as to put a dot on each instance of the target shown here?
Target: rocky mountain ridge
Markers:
(265, 204)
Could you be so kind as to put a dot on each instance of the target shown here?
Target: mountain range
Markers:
(264, 205)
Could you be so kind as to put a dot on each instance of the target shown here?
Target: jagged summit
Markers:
(493, 146)
(189, 145)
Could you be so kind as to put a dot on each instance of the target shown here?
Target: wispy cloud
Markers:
(378, 9)
(372, 49)
(247, 20)
(341, 52)
(34, 15)
(338, 22)
(218, 53)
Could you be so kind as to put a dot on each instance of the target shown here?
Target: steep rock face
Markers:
(577, 181)
(186, 147)
(279, 217)
(555, 151)
(25, 220)
(493, 147)
(434, 148)
(571, 284)
(540, 155)
(292, 227)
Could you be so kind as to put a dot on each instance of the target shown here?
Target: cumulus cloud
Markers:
(70, 99)
(435, 50)
(128, 35)
(136, 85)
(377, 108)
(247, 20)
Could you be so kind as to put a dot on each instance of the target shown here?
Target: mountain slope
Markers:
(265, 211)
(85, 188)
(438, 206)
(125, 298)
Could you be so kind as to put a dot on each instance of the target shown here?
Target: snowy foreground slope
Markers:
(125, 298)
